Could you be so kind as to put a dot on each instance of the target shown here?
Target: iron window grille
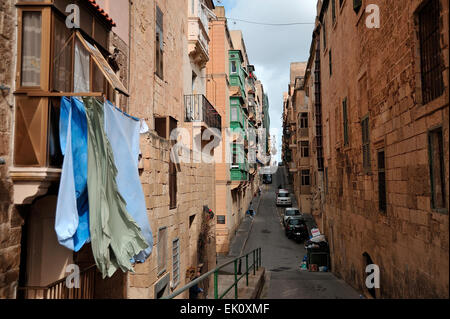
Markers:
(382, 181)
(176, 262)
(430, 52)
(366, 143)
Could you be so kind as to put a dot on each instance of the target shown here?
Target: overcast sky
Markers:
(272, 48)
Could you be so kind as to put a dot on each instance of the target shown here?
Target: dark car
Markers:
(290, 212)
(267, 178)
(296, 228)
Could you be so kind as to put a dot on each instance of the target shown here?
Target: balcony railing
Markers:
(199, 109)
(59, 289)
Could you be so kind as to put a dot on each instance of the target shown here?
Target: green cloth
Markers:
(115, 236)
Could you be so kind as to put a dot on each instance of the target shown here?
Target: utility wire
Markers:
(271, 24)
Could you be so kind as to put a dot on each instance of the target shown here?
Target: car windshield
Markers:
(292, 212)
(283, 195)
(295, 222)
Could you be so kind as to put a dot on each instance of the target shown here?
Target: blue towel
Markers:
(72, 213)
(122, 131)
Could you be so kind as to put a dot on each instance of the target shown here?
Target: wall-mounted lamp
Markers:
(2, 161)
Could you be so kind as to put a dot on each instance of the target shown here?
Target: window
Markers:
(341, 2)
(304, 149)
(430, 52)
(31, 48)
(345, 118)
(234, 114)
(324, 32)
(304, 120)
(306, 179)
(173, 184)
(381, 181)
(437, 169)
(366, 143)
(62, 57)
(162, 250)
(233, 67)
(326, 180)
(330, 63)
(221, 219)
(159, 43)
(176, 262)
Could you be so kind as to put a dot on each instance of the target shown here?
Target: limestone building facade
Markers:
(380, 93)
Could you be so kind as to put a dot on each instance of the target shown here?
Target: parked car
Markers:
(267, 178)
(296, 228)
(290, 212)
(283, 198)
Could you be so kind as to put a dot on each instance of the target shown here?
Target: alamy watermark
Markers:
(373, 279)
(373, 17)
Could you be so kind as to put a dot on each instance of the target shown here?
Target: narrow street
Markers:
(282, 257)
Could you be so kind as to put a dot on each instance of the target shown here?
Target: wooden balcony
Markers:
(198, 37)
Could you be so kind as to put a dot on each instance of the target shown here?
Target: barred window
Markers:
(173, 185)
(430, 52)
(176, 262)
(381, 181)
(365, 143)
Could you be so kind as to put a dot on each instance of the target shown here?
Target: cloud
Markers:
(272, 48)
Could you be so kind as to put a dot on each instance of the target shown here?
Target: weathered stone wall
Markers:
(153, 96)
(195, 184)
(378, 71)
(10, 227)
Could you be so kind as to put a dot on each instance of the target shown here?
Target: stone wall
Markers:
(10, 227)
(378, 71)
(153, 96)
(195, 189)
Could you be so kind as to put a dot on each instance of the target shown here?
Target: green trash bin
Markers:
(319, 257)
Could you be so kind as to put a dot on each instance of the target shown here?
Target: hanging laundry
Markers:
(122, 131)
(116, 238)
(72, 212)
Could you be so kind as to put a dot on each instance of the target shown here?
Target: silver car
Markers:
(290, 212)
(284, 198)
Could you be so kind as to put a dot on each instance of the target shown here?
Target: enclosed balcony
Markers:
(198, 33)
(199, 109)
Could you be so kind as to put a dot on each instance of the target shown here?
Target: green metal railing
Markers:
(256, 264)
